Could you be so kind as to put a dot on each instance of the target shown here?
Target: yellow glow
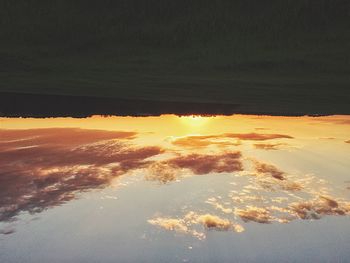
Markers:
(160, 130)
(171, 125)
(195, 120)
(286, 155)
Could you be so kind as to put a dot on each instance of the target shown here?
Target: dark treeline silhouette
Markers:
(251, 52)
(168, 22)
(41, 106)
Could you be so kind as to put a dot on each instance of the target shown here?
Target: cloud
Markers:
(203, 141)
(101, 153)
(269, 146)
(208, 163)
(261, 128)
(7, 231)
(188, 224)
(269, 177)
(36, 190)
(171, 169)
(342, 120)
(318, 207)
(348, 141)
(273, 185)
(327, 138)
(60, 137)
(197, 141)
(270, 209)
(161, 172)
(172, 224)
(291, 186)
(214, 222)
(265, 168)
(243, 198)
(306, 210)
(44, 168)
(33, 179)
(212, 201)
(257, 136)
(256, 214)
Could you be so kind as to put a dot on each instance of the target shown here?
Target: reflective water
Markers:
(175, 189)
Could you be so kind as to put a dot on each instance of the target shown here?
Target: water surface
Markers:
(175, 189)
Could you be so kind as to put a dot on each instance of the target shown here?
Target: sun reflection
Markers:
(195, 120)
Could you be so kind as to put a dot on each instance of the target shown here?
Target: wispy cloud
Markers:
(204, 141)
(161, 172)
(269, 169)
(225, 139)
(257, 136)
(256, 214)
(187, 224)
(171, 169)
(59, 137)
(270, 146)
(62, 163)
(318, 207)
(7, 231)
(342, 120)
(208, 163)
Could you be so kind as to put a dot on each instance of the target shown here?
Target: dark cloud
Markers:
(208, 163)
(264, 168)
(348, 141)
(269, 146)
(63, 163)
(61, 137)
(257, 136)
(103, 153)
(170, 170)
(319, 207)
(7, 231)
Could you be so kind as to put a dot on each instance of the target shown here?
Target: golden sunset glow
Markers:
(252, 157)
(171, 125)
(195, 120)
